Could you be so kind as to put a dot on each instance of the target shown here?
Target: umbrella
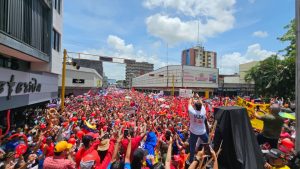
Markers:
(287, 115)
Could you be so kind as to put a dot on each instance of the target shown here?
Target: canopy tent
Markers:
(240, 149)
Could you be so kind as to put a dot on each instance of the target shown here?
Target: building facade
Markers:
(135, 69)
(30, 51)
(79, 81)
(230, 85)
(93, 64)
(244, 68)
(197, 56)
(198, 79)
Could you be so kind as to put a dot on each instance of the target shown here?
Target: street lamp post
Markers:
(63, 80)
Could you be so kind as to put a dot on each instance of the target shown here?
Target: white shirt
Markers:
(197, 120)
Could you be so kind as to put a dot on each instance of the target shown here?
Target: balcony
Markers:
(25, 26)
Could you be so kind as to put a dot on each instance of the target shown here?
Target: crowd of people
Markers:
(129, 129)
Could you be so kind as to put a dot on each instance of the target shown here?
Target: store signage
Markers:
(19, 87)
(78, 81)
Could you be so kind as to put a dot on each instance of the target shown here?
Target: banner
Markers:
(256, 123)
(186, 93)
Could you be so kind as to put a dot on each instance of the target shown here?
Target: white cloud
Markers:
(260, 34)
(229, 63)
(215, 17)
(119, 44)
(252, 1)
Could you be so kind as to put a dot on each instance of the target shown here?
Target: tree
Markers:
(275, 76)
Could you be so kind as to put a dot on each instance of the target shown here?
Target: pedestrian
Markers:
(272, 126)
(62, 158)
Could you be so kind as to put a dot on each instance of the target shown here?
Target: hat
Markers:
(104, 145)
(62, 146)
(275, 153)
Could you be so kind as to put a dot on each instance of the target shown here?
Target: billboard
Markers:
(200, 75)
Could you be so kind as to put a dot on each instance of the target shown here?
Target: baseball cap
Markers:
(275, 153)
(62, 146)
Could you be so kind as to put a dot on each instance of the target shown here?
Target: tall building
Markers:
(197, 56)
(30, 52)
(135, 69)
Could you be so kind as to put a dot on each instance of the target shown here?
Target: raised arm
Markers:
(116, 148)
(169, 154)
(128, 151)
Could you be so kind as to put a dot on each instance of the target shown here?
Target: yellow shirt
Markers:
(284, 167)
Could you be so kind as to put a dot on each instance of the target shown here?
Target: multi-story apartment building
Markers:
(135, 69)
(197, 56)
(30, 52)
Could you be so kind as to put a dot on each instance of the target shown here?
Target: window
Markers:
(57, 5)
(55, 40)
(27, 21)
(14, 64)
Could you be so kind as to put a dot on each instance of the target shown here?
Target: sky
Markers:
(157, 31)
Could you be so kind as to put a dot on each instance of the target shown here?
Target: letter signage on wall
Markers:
(23, 83)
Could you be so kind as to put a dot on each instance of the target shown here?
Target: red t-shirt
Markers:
(135, 142)
(82, 151)
(50, 149)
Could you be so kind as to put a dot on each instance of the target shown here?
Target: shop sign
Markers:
(19, 87)
(78, 81)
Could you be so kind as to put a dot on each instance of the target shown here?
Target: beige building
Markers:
(81, 80)
(244, 68)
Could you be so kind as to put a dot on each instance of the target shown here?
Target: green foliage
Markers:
(274, 76)
(290, 37)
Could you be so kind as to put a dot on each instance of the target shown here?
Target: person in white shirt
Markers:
(197, 128)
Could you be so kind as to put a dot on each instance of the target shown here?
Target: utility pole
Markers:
(173, 85)
(63, 81)
(297, 75)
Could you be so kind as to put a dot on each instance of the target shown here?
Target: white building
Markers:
(81, 80)
(180, 76)
(30, 51)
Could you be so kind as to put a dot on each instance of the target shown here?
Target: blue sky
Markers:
(238, 30)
